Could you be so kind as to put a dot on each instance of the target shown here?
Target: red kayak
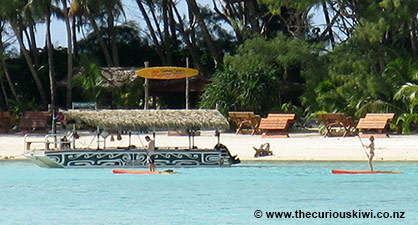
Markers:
(362, 172)
(143, 172)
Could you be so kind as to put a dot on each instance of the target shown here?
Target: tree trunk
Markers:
(228, 17)
(189, 45)
(102, 44)
(329, 24)
(74, 34)
(208, 39)
(167, 39)
(413, 34)
(152, 33)
(154, 17)
(69, 55)
(30, 65)
(4, 105)
(252, 11)
(172, 24)
(113, 41)
(34, 47)
(9, 81)
(191, 32)
(52, 82)
(7, 75)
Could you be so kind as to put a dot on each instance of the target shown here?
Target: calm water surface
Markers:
(34, 195)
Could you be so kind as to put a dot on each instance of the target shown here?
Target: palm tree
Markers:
(408, 92)
(12, 12)
(3, 65)
(113, 9)
(43, 8)
(87, 7)
(66, 12)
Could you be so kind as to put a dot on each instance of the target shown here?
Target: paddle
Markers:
(140, 140)
(362, 145)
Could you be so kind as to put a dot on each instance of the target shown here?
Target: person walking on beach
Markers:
(371, 153)
(150, 153)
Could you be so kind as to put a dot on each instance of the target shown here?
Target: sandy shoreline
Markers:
(309, 146)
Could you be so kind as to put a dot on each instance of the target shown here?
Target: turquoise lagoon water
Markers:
(34, 195)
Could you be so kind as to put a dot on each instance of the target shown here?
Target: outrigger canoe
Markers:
(117, 171)
(362, 172)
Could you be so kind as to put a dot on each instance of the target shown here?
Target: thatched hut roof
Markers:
(116, 76)
(149, 119)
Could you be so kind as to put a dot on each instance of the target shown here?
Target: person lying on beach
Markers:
(371, 153)
(150, 153)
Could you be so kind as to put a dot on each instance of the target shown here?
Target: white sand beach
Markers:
(309, 146)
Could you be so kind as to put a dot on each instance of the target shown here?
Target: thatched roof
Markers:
(116, 76)
(149, 119)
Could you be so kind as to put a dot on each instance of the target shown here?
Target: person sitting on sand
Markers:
(150, 153)
(371, 153)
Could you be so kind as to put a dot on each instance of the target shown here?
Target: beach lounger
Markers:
(333, 121)
(373, 124)
(247, 122)
(275, 125)
(32, 121)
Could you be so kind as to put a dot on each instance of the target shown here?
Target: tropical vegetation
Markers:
(258, 55)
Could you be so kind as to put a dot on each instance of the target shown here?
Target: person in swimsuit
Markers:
(150, 153)
(371, 153)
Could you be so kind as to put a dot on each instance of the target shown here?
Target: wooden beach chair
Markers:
(32, 121)
(6, 121)
(334, 121)
(247, 122)
(275, 125)
(373, 124)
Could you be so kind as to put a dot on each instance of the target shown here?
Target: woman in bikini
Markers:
(371, 153)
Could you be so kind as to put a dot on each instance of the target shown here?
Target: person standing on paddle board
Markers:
(371, 153)
(150, 153)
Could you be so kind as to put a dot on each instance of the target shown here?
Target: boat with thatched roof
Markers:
(65, 154)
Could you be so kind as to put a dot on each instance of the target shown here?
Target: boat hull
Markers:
(125, 158)
(362, 172)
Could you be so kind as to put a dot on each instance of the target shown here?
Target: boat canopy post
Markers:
(190, 137)
(218, 135)
(98, 138)
(193, 138)
(74, 136)
(153, 135)
(130, 134)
